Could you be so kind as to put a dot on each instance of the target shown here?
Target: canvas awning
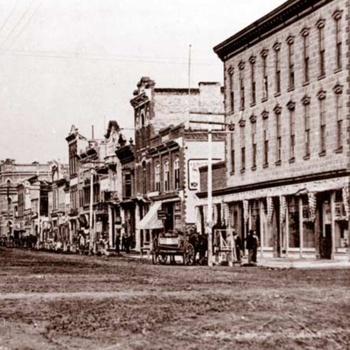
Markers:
(150, 221)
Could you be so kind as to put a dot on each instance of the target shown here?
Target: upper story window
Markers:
(252, 61)
(321, 47)
(278, 111)
(128, 185)
(291, 108)
(306, 54)
(254, 146)
(232, 151)
(231, 89)
(277, 49)
(166, 176)
(265, 116)
(177, 173)
(157, 177)
(241, 86)
(322, 108)
(307, 126)
(72, 158)
(265, 82)
(338, 90)
(337, 15)
(242, 130)
(144, 177)
(291, 72)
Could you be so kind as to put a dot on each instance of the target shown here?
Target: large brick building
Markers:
(287, 161)
(168, 152)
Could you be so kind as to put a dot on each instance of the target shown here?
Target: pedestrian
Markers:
(117, 244)
(124, 242)
(127, 244)
(252, 246)
(237, 244)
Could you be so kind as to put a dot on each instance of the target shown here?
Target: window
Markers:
(157, 177)
(231, 92)
(306, 56)
(241, 85)
(232, 148)
(321, 48)
(266, 138)
(177, 173)
(278, 111)
(242, 130)
(277, 48)
(290, 42)
(291, 107)
(128, 186)
(339, 115)
(322, 99)
(338, 41)
(264, 74)
(144, 177)
(252, 79)
(254, 149)
(307, 137)
(166, 176)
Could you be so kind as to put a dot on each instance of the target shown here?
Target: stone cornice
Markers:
(281, 17)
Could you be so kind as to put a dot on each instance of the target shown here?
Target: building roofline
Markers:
(265, 26)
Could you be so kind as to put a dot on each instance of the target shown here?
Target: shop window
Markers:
(294, 232)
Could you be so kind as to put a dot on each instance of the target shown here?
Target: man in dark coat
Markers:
(252, 246)
(117, 244)
(237, 244)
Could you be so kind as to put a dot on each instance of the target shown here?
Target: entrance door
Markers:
(326, 243)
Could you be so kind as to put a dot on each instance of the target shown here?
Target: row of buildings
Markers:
(281, 162)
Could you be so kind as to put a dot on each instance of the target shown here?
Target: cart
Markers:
(167, 247)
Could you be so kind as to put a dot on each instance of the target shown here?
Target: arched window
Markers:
(144, 176)
(177, 173)
(157, 177)
(166, 176)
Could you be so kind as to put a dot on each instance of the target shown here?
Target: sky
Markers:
(77, 62)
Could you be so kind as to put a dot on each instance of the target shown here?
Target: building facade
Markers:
(168, 151)
(11, 175)
(287, 158)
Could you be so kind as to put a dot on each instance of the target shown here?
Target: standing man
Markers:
(252, 246)
(237, 243)
(117, 244)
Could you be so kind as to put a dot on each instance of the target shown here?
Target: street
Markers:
(61, 301)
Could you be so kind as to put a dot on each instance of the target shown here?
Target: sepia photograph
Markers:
(174, 174)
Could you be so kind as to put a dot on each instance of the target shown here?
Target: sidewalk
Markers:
(283, 263)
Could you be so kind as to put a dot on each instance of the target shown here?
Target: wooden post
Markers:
(333, 223)
(301, 235)
(233, 248)
(262, 231)
(110, 228)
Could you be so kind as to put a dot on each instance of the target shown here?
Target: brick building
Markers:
(287, 160)
(168, 152)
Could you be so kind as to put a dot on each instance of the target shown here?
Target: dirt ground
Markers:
(55, 301)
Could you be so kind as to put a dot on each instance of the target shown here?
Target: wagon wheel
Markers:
(189, 255)
(162, 258)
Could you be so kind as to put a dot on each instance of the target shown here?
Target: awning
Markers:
(150, 221)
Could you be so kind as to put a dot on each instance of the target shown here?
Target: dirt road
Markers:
(52, 301)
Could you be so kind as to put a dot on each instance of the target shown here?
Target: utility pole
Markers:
(91, 245)
(210, 196)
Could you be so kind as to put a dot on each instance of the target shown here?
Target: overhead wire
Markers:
(9, 16)
(17, 24)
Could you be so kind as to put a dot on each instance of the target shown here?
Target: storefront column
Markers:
(262, 231)
(137, 231)
(301, 235)
(333, 223)
(287, 230)
(122, 218)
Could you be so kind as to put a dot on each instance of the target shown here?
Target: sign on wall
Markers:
(193, 172)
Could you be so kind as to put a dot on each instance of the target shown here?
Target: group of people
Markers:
(252, 244)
